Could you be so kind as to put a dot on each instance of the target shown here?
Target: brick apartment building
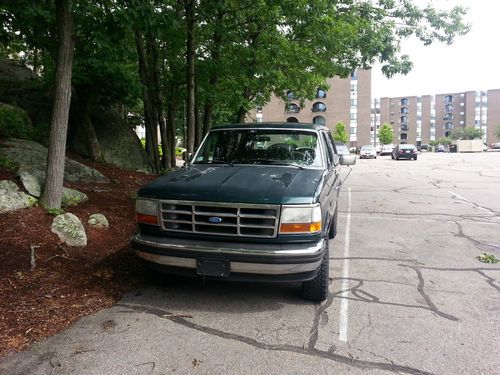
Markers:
(420, 119)
(415, 119)
(348, 100)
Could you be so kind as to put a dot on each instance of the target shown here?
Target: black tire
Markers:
(392, 156)
(332, 232)
(316, 290)
(415, 158)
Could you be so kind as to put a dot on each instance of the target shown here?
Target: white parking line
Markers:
(468, 201)
(345, 274)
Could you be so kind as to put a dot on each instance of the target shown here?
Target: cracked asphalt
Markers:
(415, 300)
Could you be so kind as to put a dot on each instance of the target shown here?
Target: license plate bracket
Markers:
(213, 267)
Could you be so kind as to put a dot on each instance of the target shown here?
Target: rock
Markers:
(119, 143)
(98, 221)
(11, 199)
(29, 156)
(34, 180)
(69, 229)
(72, 197)
(11, 71)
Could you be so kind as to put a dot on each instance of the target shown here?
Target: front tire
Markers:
(316, 290)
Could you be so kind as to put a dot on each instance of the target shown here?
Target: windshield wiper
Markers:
(274, 162)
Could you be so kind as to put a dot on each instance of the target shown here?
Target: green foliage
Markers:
(443, 141)
(487, 258)
(55, 211)
(340, 134)
(466, 133)
(386, 134)
(7, 164)
(14, 122)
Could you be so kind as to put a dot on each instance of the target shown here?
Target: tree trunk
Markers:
(208, 108)
(197, 125)
(158, 97)
(87, 128)
(171, 127)
(190, 76)
(208, 112)
(150, 116)
(52, 193)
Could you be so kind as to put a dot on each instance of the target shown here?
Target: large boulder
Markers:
(34, 180)
(11, 71)
(31, 157)
(69, 229)
(11, 199)
(119, 143)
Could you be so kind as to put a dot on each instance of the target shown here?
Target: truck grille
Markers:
(223, 219)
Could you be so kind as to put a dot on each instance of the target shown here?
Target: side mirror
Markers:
(347, 159)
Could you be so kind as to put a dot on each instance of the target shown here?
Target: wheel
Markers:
(332, 232)
(415, 158)
(317, 289)
(392, 156)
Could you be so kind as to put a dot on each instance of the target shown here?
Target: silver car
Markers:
(367, 152)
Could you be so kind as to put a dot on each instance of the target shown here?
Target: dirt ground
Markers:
(67, 282)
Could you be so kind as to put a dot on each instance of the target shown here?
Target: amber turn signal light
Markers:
(300, 227)
(147, 219)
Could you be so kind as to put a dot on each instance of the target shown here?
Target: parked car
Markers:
(367, 152)
(386, 149)
(404, 151)
(440, 148)
(341, 149)
(257, 202)
(378, 148)
(495, 146)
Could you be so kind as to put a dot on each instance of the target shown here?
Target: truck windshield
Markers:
(260, 146)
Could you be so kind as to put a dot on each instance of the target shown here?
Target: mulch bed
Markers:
(67, 283)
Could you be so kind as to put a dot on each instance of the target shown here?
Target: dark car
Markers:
(404, 151)
(256, 203)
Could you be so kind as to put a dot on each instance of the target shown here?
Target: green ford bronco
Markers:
(257, 202)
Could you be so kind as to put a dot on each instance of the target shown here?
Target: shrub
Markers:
(14, 122)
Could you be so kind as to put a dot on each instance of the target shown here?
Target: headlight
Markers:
(300, 219)
(146, 211)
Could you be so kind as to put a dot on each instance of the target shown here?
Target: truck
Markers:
(256, 202)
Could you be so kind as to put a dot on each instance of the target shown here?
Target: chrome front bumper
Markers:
(246, 258)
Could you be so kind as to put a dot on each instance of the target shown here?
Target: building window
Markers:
(354, 75)
(404, 136)
(320, 93)
(448, 116)
(291, 95)
(354, 116)
(404, 128)
(447, 134)
(449, 107)
(320, 120)
(404, 101)
(319, 107)
(448, 126)
(404, 119)
(462, 122)
(448, 98)
(292, 119)
(292, 108)
(354, 103)
(404, 110)
(352, 130)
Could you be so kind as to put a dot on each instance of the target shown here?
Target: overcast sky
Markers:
(471, 63)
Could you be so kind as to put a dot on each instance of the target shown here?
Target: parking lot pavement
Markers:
(407, 294)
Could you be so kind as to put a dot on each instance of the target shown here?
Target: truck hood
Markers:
(238, 184)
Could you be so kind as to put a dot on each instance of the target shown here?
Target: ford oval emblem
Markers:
(215, 220)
